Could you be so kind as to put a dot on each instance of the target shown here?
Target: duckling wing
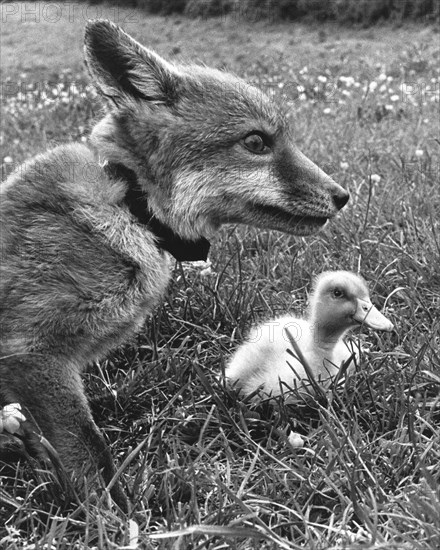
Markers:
(251, 365)
(345, 350)
(263, 361)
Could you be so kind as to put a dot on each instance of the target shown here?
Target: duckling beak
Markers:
(369, 315)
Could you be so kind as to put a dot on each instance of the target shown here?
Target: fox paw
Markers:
(11, 419)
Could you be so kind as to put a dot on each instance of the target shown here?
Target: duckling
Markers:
(339, 302)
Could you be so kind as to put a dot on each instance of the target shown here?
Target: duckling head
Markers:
(340, 301)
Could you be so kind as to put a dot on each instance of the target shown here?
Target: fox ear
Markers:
(123, 69)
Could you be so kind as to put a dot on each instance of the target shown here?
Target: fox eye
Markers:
(337, 293)
(257, 142)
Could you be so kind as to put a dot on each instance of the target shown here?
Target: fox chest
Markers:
(139, 283)
(130, 272)
(122, 308)
(109, 285)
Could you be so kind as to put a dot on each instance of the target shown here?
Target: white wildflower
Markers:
(395, 97)
(344, 165)
(419, 152)
(372, 86)
(207, 271)
(295, 440)
(375, 178)
(11, 418)
(7, 160)
(348, 81)
(133, 534)
(201, 264)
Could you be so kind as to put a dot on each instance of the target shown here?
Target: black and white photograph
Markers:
(219, 275)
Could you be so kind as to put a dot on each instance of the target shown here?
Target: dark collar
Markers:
(183, 250)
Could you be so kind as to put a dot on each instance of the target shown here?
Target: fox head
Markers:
(207, 147)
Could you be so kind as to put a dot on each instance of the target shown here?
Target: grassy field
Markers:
(214, 472)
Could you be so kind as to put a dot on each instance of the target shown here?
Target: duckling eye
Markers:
(337, 293)
(257, 142)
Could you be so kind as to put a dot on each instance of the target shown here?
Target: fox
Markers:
(89, 230)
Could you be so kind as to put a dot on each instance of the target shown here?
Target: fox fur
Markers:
(79, 272)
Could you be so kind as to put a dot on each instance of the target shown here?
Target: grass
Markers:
(213, 471)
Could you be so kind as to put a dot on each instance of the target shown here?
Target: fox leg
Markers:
(51, 396)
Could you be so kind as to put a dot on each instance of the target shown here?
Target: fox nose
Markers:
(341, 198)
